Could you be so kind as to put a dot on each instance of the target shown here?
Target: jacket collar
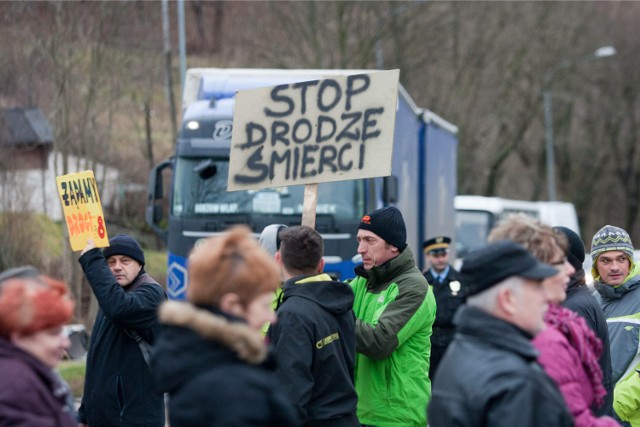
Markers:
(388, 271)
(478, 324)
(615, 292)
(212, 324)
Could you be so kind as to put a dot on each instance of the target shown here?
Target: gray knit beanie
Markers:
(610, 238)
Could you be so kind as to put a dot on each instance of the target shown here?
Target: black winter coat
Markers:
(220, 380)
(118, 388)
(314, 342)
(581, 300)
(489, 377)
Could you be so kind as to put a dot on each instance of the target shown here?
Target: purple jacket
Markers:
(563, 364)
(30, 394)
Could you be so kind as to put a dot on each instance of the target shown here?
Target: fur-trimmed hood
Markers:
(244, 341)
(212, 365)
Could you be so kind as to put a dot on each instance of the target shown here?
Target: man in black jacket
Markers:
(447, 288)
(314, 337)
(118, 388)
(489, 375)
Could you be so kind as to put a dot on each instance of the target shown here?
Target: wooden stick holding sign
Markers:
(309, 205)
(310, 132)
(82, 209)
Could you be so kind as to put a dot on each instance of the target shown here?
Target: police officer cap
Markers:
(436, 244)
(495, 262)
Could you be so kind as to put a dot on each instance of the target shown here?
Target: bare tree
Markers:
(97, 69)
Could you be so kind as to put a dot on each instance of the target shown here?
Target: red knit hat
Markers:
(29, 305)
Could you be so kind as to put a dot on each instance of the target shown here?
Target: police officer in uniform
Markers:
(445, 282)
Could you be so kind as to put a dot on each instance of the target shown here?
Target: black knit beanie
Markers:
(123, 244)
(576, 252)
(387, 223)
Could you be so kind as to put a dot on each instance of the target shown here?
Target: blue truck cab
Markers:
(198, 205)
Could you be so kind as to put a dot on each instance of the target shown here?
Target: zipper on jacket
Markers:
(120, 396)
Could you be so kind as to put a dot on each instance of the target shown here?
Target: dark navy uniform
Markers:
(449, 296)
(447, 289)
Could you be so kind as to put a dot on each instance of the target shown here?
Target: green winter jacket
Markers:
(626, 398)
(621, 307)
(395, 310)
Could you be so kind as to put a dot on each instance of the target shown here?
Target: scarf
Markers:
(584, 341)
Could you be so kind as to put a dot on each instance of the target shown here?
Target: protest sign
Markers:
(82, 209)
(316, 131)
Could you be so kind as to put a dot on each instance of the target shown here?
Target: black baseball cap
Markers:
(491, 264)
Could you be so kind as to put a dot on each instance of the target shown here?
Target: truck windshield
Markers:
(472, 229)
(201, 189)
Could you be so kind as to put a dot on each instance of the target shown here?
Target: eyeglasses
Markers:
(558, 263)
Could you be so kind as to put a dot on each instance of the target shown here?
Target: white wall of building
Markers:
(35, 190)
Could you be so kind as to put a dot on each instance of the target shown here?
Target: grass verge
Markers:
(72, 371)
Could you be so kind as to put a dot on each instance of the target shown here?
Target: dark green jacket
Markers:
(395, 310)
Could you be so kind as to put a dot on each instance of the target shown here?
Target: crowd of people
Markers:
(516, 337)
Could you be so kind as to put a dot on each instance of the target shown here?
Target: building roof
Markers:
(24, 126)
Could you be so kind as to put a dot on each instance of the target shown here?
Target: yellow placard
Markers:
(82, 209)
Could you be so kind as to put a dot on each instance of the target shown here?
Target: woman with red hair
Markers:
(211, 357)
(32, 342)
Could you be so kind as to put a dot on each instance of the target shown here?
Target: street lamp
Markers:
(602, 52)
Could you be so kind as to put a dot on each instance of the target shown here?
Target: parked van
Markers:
(476, 216)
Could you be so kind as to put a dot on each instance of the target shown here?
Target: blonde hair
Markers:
(232, 263)
(29, 305)
(540, 239)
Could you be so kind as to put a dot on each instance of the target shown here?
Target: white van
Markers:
(476, 216)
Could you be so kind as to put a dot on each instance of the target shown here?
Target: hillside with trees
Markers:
(98, 70)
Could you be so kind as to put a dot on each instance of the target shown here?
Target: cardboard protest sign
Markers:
(82, 209)
(316, 131)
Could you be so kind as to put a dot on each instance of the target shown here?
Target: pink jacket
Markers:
(563, 364)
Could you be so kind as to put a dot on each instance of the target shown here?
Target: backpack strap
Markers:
(145, 347)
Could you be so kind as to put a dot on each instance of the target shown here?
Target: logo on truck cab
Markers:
(222, 130)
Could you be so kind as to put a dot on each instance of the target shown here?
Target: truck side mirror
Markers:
(154, 213)
(390, 189)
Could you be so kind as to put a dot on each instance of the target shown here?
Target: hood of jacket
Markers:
(334, 296)
(194, 338)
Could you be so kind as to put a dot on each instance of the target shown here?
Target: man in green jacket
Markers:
(395, 310)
